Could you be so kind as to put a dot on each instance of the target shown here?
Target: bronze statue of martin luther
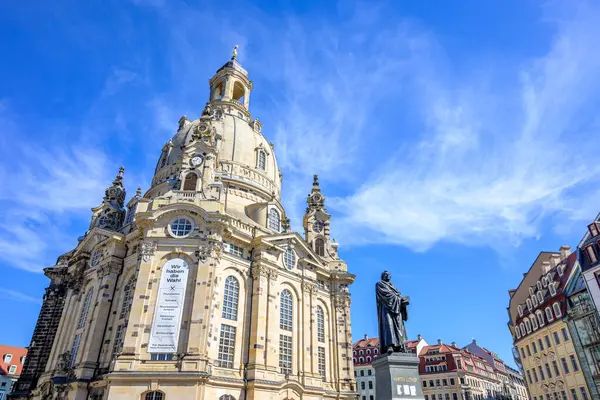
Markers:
(391, 314)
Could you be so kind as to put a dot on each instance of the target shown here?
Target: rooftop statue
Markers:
(391, 314)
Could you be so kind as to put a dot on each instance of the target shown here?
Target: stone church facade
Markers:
(198, 289)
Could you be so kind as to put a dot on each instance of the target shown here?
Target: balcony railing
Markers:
(581, 309)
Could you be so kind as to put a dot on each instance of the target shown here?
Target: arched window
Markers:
(289, 258)
(95, 258)
(274, 219)
(238, 92)
(286, 312)
(127, 298)
(534, 324)
(230, 298)
(528, 301)
(549, 315)
(557, 310)
(540, 297)
(540, 317)
(320, 247)
(528, 325)
(190, 181)
(517, 332)
(227, 397)
(217, 93)
(552, 289)
(320, 325)
(520, 308)
(368, 359)
(262, 160)
(84, 310)
(522, 329)
(361, 360)
(154, 396)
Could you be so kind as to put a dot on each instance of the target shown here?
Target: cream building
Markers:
(198, 289)
(544, 348)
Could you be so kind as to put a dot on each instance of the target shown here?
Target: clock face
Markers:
(197, 160)
(316, 198)
(318, 226)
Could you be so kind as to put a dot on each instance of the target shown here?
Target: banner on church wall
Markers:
(169, 307)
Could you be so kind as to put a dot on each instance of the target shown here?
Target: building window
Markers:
(274, 219)
(230, 298)
(565, 334)
(564, 365)
(528, 301)
(321, 362)
(181, 227)
(534, 324)
(362, 385)
(547, 338)
(540, 297)
(454, 396)
(7, 358)
(285, 354)
(74, 349)
(549, 315)
(119, 338)
(424, 383)
(548, 371)
(534, 347)
(452, 381)
(320, 325)
(289, 258)
(574, 394)
(286, 310)
(591, 254)
(226, 346)
(154, 396)
(369, 372)
(541, 344)
(541, 372)
(540, 317)
(535, 377)
(161, 356)
(12, 369)
(320, 247)
(84, 310)
(584, 395)
(190, 181)
(127, 298)
(528, 327)
(552, 289)
(555, 366)
(557, 310)
(520, 308)
(227, 397)
(262, 160)
(529, 377)
(574, 363)
(95, 258)
(426, 397)
(236, 250)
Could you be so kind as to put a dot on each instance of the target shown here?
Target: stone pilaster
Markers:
(258, 325)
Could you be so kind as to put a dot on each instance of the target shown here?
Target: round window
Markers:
(289, 258)
(181, 227)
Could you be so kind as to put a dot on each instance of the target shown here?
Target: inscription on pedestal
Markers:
(397, 377)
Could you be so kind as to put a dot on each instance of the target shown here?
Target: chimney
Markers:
(419, 337)
(366, 336)
(565, 251)
(453, 344)
(546, 266)
(440, 342)
(555, 260)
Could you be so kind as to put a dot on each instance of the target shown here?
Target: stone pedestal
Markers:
(397, 377)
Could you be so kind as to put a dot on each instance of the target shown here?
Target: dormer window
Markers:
(549, 315)
(520, 309)
(534, 323)
(529, 307)
(534, 300)
(540, 297)
(12, 370)
(593, 228)
(552, 289)
(540, 317)
(517, 332)
(591, 253)
(262, 160)
(557, 310)
(531, 291)
(544, 282)
(561, 270)
(539, 285)
(7, 358)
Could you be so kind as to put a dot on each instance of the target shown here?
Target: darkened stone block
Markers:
(397, 377)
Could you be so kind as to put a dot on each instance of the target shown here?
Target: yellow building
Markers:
(543, 346)
(199, 289)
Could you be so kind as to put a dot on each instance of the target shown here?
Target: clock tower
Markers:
(317, 223)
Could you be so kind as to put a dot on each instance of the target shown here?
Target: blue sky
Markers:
(454, 140)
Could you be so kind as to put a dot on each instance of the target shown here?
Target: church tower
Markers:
(198, 288)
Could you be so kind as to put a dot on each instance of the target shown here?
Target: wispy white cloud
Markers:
(14, 295)
(491, 165)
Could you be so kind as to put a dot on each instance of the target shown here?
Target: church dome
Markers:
(244, 156)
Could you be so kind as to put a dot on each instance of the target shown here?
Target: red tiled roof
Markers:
(364, 343)
(17, 356)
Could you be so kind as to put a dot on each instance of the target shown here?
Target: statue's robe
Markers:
(391, 314)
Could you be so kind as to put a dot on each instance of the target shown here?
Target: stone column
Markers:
(272, 320)
(310, 345)
(260, 311)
